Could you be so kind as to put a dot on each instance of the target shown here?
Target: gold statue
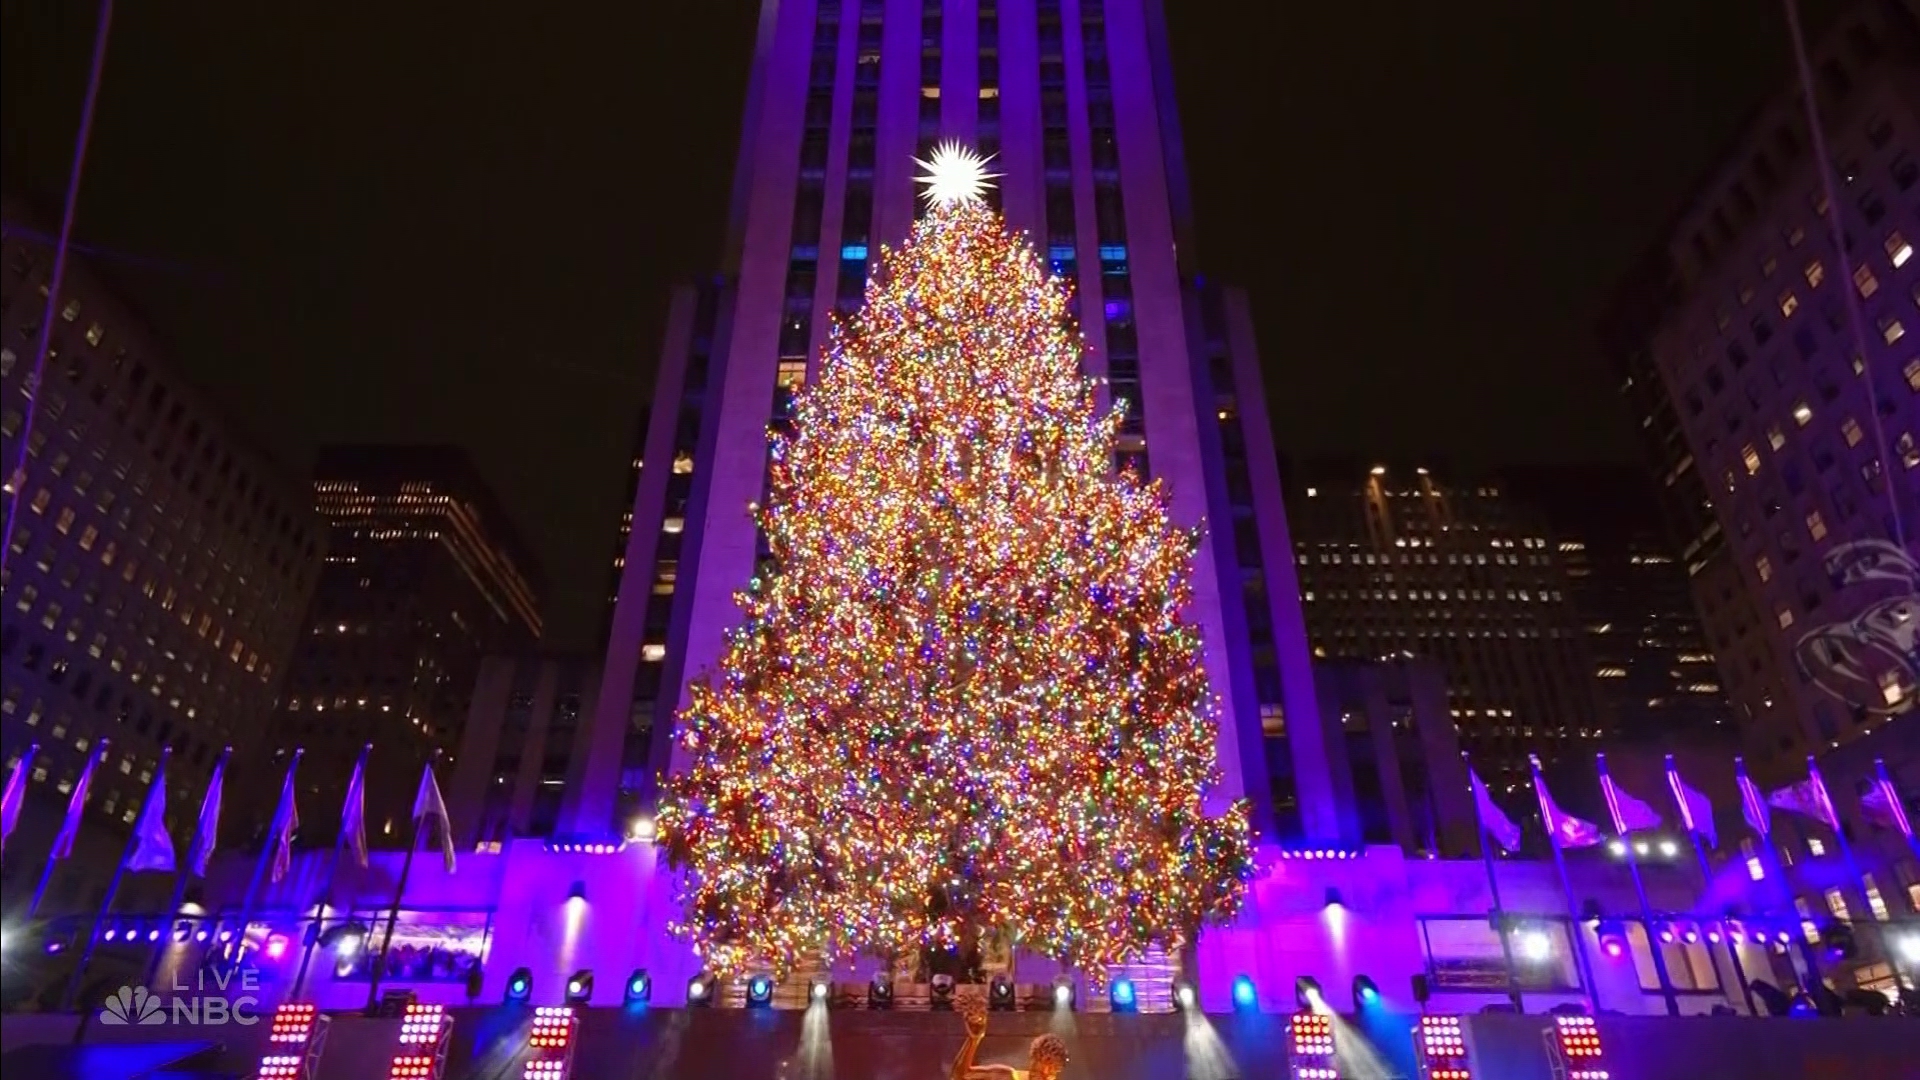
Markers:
(1046, 1058)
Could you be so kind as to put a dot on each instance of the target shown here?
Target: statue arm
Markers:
(963, 1065)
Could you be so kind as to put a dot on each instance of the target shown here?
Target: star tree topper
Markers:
(956, 174)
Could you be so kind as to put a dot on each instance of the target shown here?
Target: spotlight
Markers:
(276, 946)
(153, 934)
(1000, 994)
(700, 991)
(760, 992)
(1713, 935)
(1783, 937)
(1063, 992)
(880, 992)
(1333, 897)
(182, 931)
(1535, 945)
(1910, 948)
(643, 829)
(577, 893)
(111, 933)
(639, 987)
(1617, 848)
(1120, 995)
(200, 935)
(941, 994)
(1613, 940)
(819, 990)
(520, 985)
(1183, 994)
(1365, 992)
(1640, 847)
(55, 946)
(1691, 936)
(1666, 935)
(580, 987)
(1306, 992)
(1668, 849)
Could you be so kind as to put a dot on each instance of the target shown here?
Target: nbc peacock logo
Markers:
(132, 1005)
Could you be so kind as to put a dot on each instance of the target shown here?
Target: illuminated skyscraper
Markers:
(1076, 100)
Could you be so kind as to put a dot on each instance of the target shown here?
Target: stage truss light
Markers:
(1306, 992)
(1442, 1048)
(1310, 1046)
(580, 987)
(639, 987)
(1366, 992)
(550, 1043)
(520, 985)
(1000, 995)
(296, 1036)
(1574, 1049)
(425, 1031)
(700, 991)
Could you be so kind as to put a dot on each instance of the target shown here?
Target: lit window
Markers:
(1785, 615)
(1891, 330)
(1875, 902)
(1764, 567)
(1850, 428)
(1789, 304)
(653, 652)
(96, 332)
(1752, 457)
(1795, 236)
(673, 525)
(64, 523)
(1898, 250)
(1837, 903)
(1775, 437)
(1816, 847)
(1909, 454)
(1816, 273)
(1913, 375)
(683, 463)
(1802, 413)
(1864, 280)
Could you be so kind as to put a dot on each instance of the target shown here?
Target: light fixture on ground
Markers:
(580, 987)
(1366, 993)
(760, 992)
(700, 991)
(1121, 996)
(1184, 995)
(940, 994)
(1063, 992)
(880, 991)
(1333, 897)
(820, 989)
(520, 985)
(1534, 945)
(639, 987)
(1306, 992)
(1000, 994)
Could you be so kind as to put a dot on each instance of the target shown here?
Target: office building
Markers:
(424, 575)
(1076, 101)
(155, 574)
(522, 748)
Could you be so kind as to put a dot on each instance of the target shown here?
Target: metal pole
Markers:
(1493, 887)
(184, 870)
(326, 889)
(1726, 933)
(81, 788)
(16, 481)
(1653, 941)
(380, 961)
(287, 791)
(113, 889)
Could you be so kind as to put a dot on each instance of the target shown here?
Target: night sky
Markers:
(458, 222)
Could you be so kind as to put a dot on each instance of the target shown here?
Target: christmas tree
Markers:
(964, 697)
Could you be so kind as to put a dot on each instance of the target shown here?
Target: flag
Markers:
(1752, 806)
(207, 831)
(1566, 830)
(70, 828)
(286, 819)
(1881, 803)
(429, 804)
(1628, 812)
(353, 815)
(1807, 798)
(152, 844)
(16, 793)
(1696, 811)
(1491, 819)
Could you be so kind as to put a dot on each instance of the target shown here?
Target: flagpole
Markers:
(184, 869)
(113, 889)
(326, 889)
(1894, 807)
(1639, 888)
(1676, 786)
(267, 852)
(16, 792)
(53, 858)
(1770, 861)
(1846, 853)
(1581, 965)
(380, 961)
(1493, 887)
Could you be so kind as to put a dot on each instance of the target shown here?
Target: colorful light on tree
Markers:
(963, 697)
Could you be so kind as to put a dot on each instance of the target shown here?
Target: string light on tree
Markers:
(964, 697)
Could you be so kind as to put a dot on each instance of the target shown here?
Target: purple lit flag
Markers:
(152, 844)
(1628, 812)
(1696, 811)
(1492, 819)
(286, 819)
(1752, 806)
(16, 793)
(70, 828)
(207, 832)
(1807, 798)
(428, 803)
(1882, 803)
(353, 815)
(1565, 829)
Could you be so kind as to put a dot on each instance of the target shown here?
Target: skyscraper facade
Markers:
(157, 566)
(1774, 370)
(424, 576)
(1074, 98)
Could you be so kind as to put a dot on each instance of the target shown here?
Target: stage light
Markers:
(880, 991)
(820, 989)
(1617, 848)
(424, 1033)
(1910, 948)
(182, 932)
(1063, 992)
(1306, 992)
(1120, 996)
(1691, 936)
(520, 985)
(639, 987)
(1668, 849)
(1613, 940)
(55, 946)
(1535, 945)
(940, 993)
(1577, 1042)
(1000, 994)
(1713, 935)
(1640, 847)
(1442, 1046)
(1183, 994)
(1666, 935)
(153, 934)
(1366, 992)
(1333, 897)
(580, 987)
(1783, 937)
(200, 935)
(760, 992)
(577, 893)
(276, 946)
(1312, 1049)
(700, 991)
(296, 1034)
(111, 933)
(550, 1044)
(643, 830)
